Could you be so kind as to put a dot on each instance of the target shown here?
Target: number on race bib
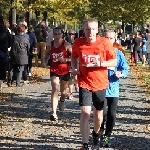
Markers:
(89, 60)
(56, 56)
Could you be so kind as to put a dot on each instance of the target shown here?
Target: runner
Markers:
(112, 92)
(95, 54)
(73, 79)
(57, 51)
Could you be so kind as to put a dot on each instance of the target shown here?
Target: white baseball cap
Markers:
(23, 23)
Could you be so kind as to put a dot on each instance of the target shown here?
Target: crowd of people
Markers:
(84, 60)
(139, 47)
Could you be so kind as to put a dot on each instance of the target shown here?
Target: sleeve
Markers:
(75, 49)
(123, 65)
(110, 52)
(28, 45)
(9, 39)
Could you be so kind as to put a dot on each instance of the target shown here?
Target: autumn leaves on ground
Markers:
(142, 76)
(37, 72)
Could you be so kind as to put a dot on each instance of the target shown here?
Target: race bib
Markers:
(89, 60)
(56, 56)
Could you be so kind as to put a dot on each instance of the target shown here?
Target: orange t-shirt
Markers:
(93, 78)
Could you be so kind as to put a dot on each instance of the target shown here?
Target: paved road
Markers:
(26, 125)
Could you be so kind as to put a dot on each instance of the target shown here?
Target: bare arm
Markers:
(74, 63)
(69, 49)
(109, 63)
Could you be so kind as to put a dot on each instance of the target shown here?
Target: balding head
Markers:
(71, 31)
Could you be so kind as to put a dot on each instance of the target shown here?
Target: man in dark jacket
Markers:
(19, 54)
(5, 41)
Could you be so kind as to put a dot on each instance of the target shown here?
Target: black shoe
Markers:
(101, 132)
(96, 143)
(106, 142)
(53, 118)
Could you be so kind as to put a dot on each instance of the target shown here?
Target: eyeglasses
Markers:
(71, 33)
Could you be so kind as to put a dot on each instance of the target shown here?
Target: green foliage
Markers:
(75, 11)
(125, 10)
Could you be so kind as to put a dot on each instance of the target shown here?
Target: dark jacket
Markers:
(32, 40)
(5, 42)
(19, 50)
(40, 32)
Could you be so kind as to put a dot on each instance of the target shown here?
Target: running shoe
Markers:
(101, 132)
(70, 96)
(53, 117)
(30, 74)
(106, 142)
(96, 143)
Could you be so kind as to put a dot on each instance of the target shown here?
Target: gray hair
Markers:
(108, 30)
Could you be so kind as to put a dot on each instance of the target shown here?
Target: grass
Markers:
(142, 74)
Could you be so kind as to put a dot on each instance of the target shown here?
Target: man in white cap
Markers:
(18, 54)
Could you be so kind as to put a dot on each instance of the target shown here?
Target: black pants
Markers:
(25, 73)
(109, 114)
(15, 73)
(29, 66)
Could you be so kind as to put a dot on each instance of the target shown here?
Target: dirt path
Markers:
(25, 123)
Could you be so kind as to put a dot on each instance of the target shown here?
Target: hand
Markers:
(61, 59)
(118, 74)
(96, 63)
(75, 72)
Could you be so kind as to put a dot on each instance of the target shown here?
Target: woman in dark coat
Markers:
(5, 42)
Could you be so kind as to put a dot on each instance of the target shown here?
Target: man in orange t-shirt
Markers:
(94, 54)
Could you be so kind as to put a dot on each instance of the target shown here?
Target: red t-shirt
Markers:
(56, 66)
(93, 78)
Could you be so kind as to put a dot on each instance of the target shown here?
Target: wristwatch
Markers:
(101, 64)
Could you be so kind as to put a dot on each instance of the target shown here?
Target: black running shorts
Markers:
(65, 77)
(87, 97)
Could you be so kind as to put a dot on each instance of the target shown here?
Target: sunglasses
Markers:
(71, 33)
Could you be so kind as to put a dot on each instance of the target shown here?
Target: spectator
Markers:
(5, 42)
(18, 54)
